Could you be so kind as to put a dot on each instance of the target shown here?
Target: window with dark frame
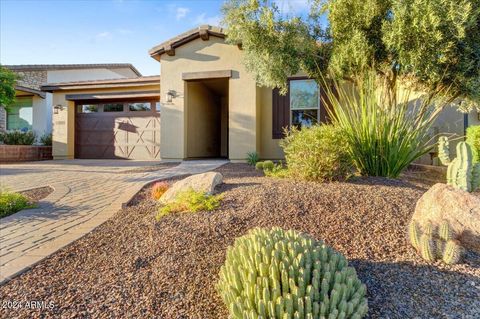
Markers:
(304, 102)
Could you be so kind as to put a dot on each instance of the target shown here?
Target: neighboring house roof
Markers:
(203, 32)
(30, 90)
(123, 82)
(48, 67)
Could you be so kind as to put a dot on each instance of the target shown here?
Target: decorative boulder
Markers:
(460, 208)
(205, 182)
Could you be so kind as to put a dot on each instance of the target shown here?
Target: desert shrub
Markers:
(158, 189)
(317, 153)
(272, 273)
(278, 171)
(190, 201)
(385, 128)
(252, 158)
(268, 165)
(473, 138)
(11, 202)
(46, 139)
(17, 137)
(259, 166)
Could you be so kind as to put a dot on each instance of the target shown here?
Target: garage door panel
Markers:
(132, 135)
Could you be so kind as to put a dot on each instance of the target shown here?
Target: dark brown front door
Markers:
(128, 130)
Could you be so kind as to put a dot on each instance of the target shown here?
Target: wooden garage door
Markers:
(128, 130)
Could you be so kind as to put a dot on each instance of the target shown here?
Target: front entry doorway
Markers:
(206, 107)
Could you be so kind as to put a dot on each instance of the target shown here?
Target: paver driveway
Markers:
(86, 193)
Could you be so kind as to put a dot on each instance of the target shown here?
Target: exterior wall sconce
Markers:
(56, 108)
(170, 96)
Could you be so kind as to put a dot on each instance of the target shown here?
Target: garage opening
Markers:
(117, 129)
(206, 108)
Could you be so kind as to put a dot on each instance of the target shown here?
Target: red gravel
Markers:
(132, 267)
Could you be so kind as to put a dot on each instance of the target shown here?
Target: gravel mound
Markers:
(132, 267)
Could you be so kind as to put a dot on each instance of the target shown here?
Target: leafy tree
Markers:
(431, 44)
(7, 87)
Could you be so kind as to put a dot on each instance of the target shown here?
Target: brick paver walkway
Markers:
(86, 194)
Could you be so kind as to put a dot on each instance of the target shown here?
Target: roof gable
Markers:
(203, 32)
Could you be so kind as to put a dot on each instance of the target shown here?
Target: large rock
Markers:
(460, 208)
(205, 182)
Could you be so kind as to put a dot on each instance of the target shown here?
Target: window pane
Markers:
(139, 106)
(304, 94)
(158, 106)
(304, 118)
(113, 107)
(20, 115)
(88, 108)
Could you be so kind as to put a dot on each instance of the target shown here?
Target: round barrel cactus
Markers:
(273, 273)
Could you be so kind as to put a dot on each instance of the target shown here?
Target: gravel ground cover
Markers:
(36, 194)
(132, 267)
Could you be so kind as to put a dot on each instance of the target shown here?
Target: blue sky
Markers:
(101, 31)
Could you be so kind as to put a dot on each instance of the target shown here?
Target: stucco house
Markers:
(210, 107)
(33, 107)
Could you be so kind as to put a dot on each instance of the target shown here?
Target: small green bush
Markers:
(46, 139)
(17, 137)
(252, 158)
(268, 165)
(190, 201)
(473, 138)
(273, 273)
(317, 153)
(278, 171)
(11, 202)
(259, 166)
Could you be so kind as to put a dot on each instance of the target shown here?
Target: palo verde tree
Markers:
(433, 45)
(7, 87)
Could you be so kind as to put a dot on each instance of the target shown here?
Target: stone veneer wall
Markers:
(32, 79)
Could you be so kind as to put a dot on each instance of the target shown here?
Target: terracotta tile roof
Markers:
(142, 80)
(47, 67)
(202, 31)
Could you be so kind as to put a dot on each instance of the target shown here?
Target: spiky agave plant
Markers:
(387, 127)
(273, 273)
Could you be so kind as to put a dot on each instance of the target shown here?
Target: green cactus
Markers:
(462, 172)
(445, 232)
(443, 150)
(435, 242)
(259, 165)
(452, 252)
(427, 248)
(414, 234)
(268, 165)
(273, 273)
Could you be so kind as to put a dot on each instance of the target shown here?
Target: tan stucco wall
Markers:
(203, 121)
(211, 55)
(63, 132)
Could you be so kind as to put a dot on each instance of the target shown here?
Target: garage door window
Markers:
(113, 107)
(142, 106)
(87, 108)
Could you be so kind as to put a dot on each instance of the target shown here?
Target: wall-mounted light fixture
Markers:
(56, 108)
(170, 96)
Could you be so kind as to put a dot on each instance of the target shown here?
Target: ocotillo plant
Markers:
(462, 172)
(272, 273)
(435, 243)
